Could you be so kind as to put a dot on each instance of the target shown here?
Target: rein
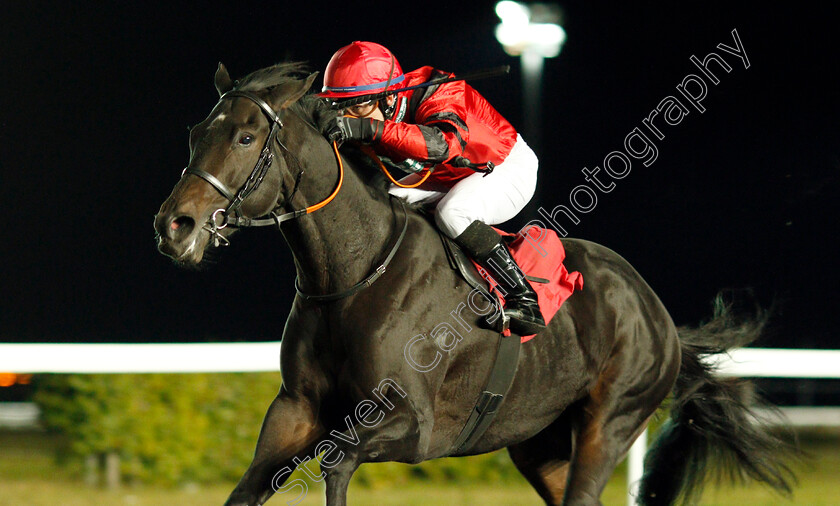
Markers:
(373, 156)
(361, 285)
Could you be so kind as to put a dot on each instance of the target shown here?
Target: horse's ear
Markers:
(223, 81)
(296, 90)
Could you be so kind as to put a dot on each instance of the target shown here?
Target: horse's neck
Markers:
(339, 244)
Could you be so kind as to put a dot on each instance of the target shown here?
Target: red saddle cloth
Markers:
(540, 254)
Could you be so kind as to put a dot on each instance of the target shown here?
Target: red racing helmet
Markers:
(361, 68)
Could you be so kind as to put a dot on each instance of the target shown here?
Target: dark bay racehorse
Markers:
(584, 388)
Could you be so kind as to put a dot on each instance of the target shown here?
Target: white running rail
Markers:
(140, 358)
(262, 357)
(759, 363)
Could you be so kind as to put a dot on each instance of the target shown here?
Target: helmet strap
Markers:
(387, 110)
(390, 73)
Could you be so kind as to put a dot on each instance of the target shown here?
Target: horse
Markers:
(584, 388)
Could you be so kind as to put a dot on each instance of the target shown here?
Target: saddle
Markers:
(459, 261)
(538, 251)
(551, 293)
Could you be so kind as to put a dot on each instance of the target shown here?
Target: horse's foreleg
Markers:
(389, 434)
(289, 429)
(338, 479)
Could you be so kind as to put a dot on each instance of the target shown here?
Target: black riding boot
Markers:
(489, 250)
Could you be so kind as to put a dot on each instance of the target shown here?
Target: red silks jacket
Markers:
(441, 123)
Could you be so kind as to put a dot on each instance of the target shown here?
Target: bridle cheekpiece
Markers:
(230, 215)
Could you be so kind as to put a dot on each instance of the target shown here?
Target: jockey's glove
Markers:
(350, 128)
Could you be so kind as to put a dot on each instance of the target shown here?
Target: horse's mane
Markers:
(278, 75)
(275, 75)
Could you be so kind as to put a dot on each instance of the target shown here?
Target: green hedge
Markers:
(166, 428)
(179, 428)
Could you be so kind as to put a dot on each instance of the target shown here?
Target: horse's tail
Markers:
(711, 419)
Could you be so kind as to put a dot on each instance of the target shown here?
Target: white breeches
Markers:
(492, 199)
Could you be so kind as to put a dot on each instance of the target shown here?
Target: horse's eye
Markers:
(246, 140)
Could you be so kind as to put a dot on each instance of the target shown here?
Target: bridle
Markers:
(231, 217)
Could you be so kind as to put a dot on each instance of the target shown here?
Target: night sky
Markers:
(97, 97)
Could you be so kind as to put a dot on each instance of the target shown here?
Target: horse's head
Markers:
(228, 174)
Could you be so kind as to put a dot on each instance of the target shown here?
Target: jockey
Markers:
(483, 172)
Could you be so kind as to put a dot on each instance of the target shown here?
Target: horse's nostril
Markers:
(181, 226)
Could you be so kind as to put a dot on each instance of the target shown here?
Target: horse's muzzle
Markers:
(177, 237)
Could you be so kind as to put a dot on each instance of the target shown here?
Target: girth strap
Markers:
(504, 368)
(490, 400)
